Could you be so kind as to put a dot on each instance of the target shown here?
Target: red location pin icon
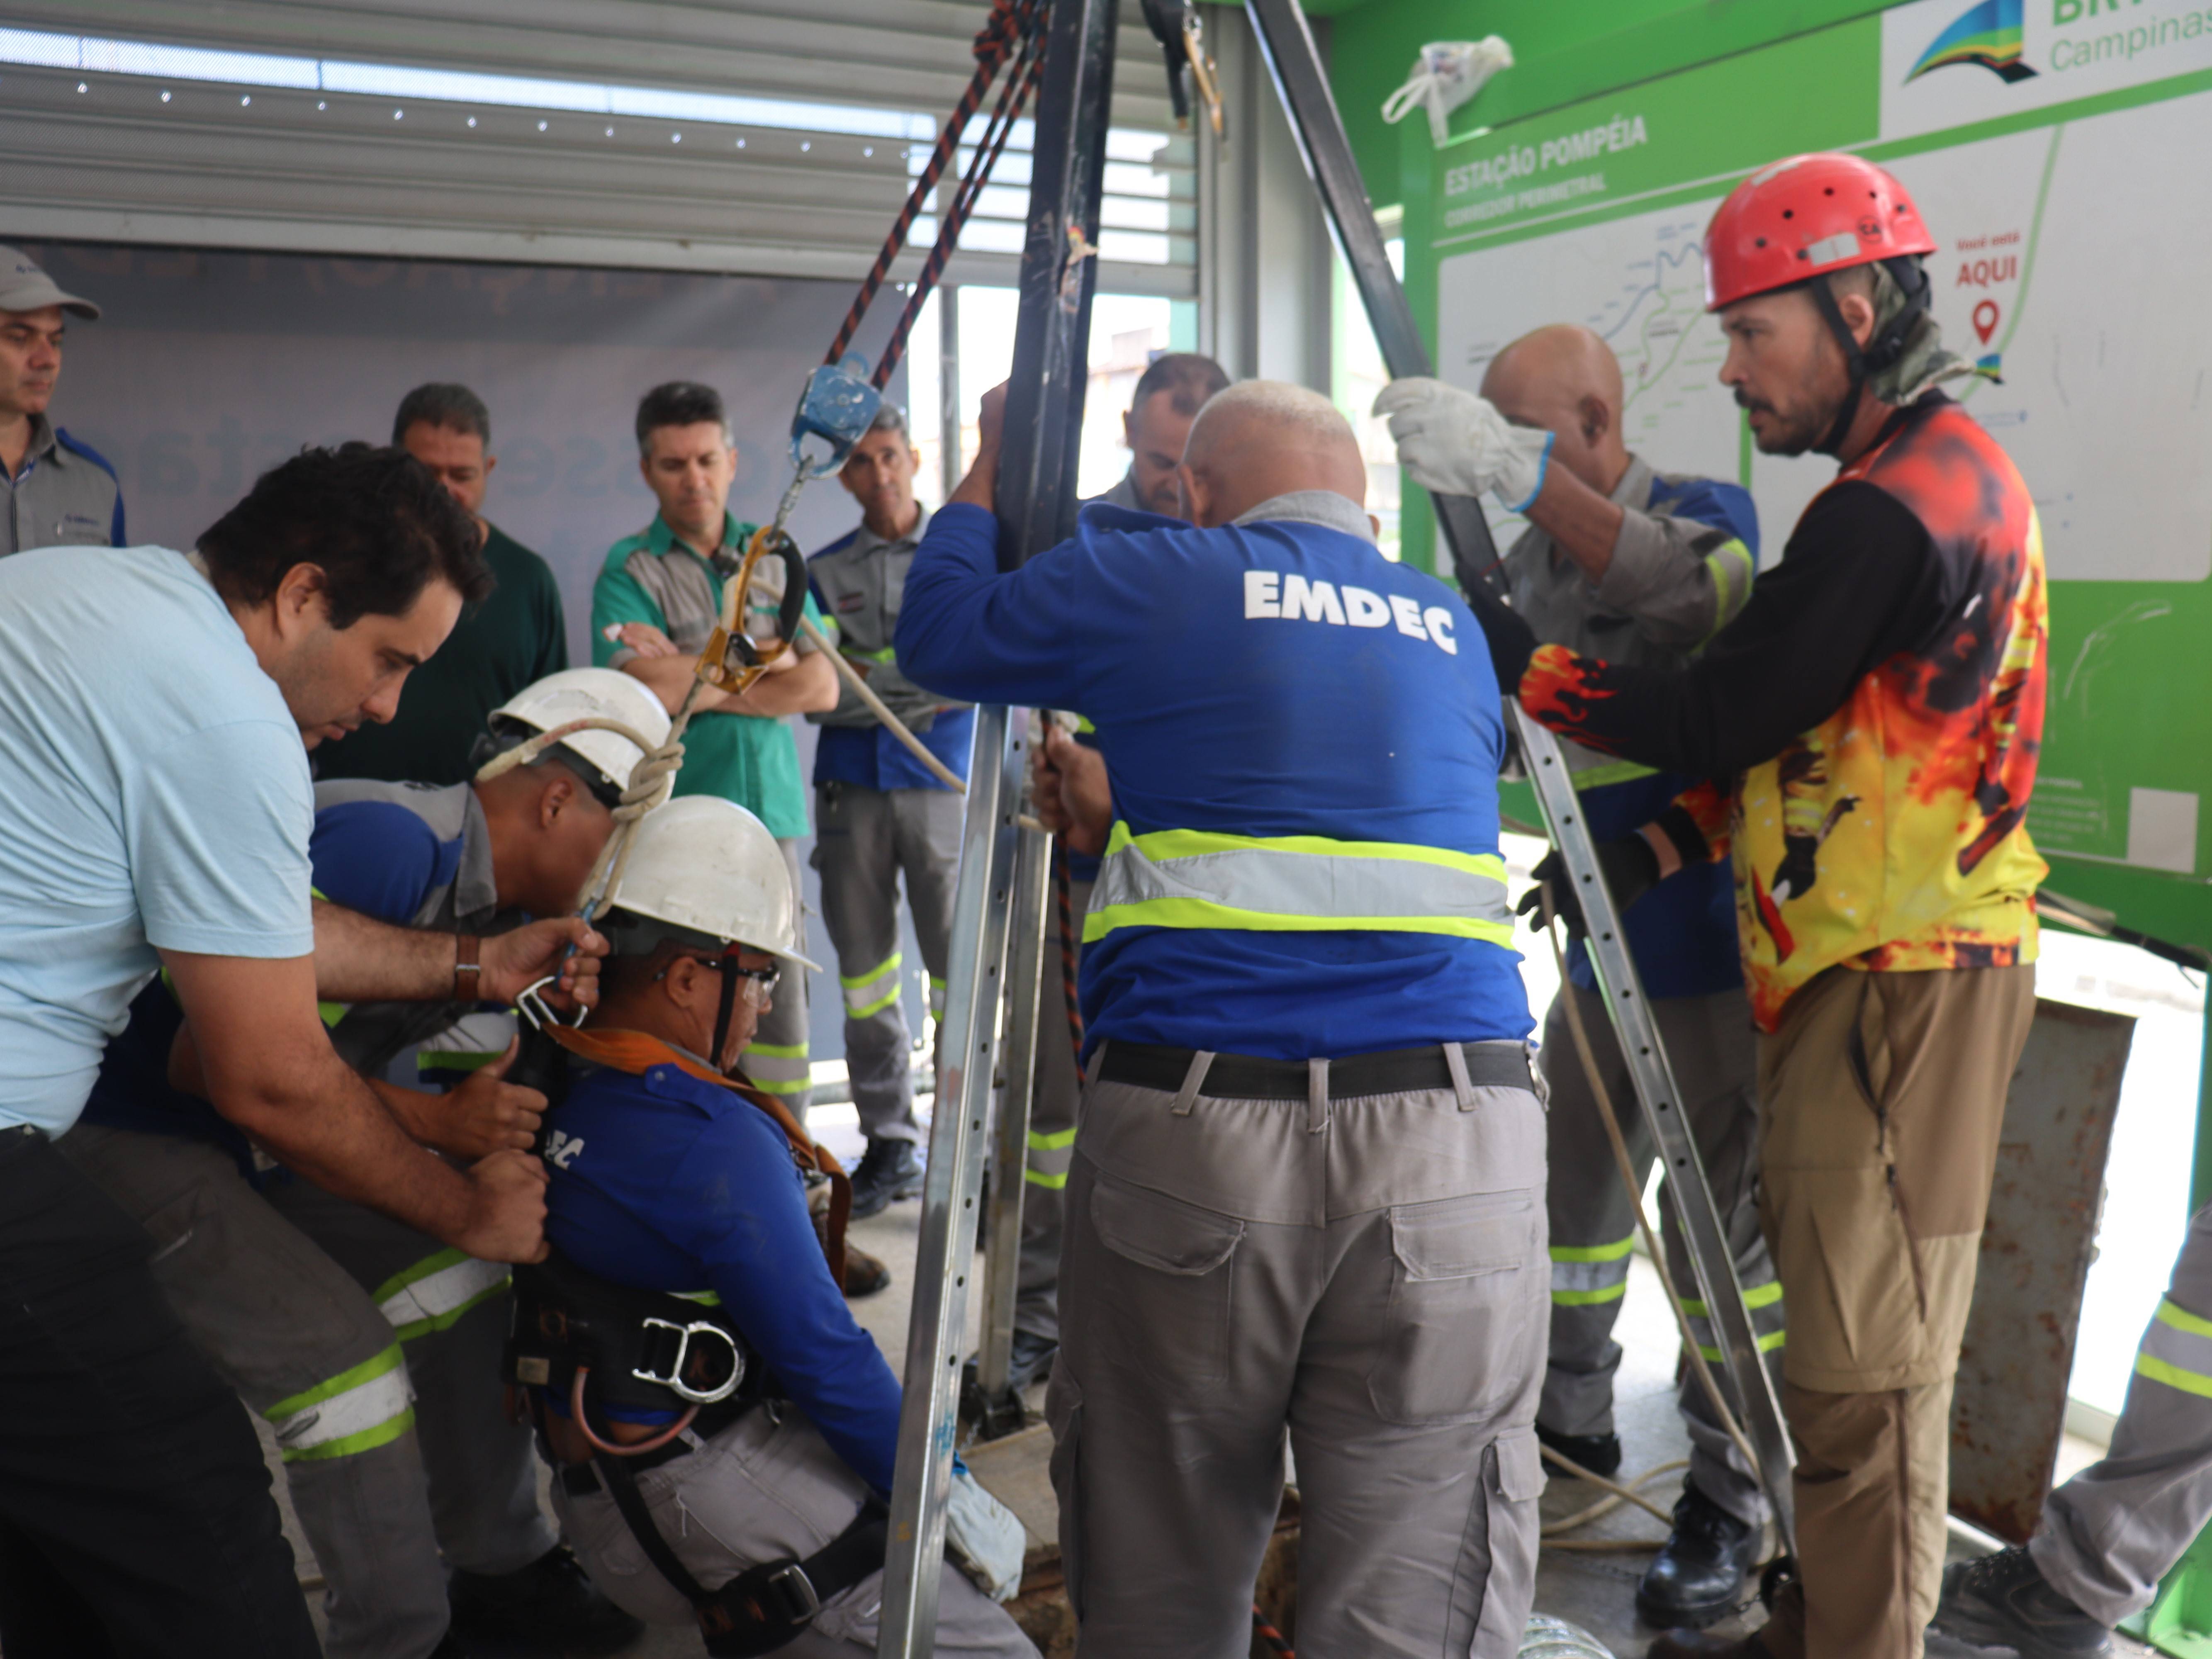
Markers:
(1986, 320)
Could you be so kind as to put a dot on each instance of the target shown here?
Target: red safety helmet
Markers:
(1802, 217)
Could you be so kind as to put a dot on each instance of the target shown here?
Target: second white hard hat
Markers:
(708, 866)
(575, 694)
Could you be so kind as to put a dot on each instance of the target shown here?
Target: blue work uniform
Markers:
(666, 1182)
(1278, 683)
(1334, 1227)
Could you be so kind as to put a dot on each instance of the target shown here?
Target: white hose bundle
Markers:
(1450, 73)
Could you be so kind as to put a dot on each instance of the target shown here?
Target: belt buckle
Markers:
(674, 1381)
(791, 1584)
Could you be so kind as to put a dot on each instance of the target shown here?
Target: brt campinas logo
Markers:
(1992, 34)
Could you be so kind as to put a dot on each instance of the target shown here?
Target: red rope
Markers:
(1011, 24)
(1011, 99)
(1273, 1637)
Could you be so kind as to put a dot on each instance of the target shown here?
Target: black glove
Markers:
(1512, 641)
(1630, 869)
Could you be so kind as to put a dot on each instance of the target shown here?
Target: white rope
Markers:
(1450, 73)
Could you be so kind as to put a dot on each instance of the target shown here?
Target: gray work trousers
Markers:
(863, 840)
(1366, 1272)
(1059, 1090)
(373, 1353)
(1714, 1055)
(2109, 1534)
(766, 1487)
(777, 1061)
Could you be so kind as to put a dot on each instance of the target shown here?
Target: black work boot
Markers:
(889, 1169)
(1598, 1453)
(549, 1604)
(1702, 1573)
(2002, 1601)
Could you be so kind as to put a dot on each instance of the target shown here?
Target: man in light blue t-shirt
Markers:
(155, 811)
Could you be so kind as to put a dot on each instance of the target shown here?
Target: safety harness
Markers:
(594, 1344)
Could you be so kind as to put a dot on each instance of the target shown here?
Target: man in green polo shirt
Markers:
(654, 605)
(515, 638)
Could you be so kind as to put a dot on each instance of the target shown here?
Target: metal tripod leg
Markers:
(1036, 506)
(1300, 80)
(999, 1410)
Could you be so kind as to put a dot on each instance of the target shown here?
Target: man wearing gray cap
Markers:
(61, 492)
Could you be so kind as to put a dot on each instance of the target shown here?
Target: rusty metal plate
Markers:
(2010, 1405)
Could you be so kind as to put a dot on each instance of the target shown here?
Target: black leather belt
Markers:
(1248, 1076)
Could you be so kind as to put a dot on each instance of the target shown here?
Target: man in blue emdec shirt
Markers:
(1307, 1188)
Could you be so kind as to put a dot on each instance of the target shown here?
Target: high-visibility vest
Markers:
(1296, 883)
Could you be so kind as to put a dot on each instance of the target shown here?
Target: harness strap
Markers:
(635, 1052)
(766, 1606)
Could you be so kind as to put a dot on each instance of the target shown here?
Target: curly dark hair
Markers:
(374, 521)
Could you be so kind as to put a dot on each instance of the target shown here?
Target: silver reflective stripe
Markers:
(437, 1291)
(357, 1411)
(1196, 879)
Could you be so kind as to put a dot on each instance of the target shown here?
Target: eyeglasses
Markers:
(762, 981)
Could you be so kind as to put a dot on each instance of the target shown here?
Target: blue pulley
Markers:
(838, 406)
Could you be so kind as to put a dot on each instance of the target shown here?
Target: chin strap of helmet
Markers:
(727, 965)
(1881, 351)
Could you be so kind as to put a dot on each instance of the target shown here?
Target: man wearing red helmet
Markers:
(1869, 727)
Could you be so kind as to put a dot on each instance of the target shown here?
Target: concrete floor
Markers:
(1595, 1590)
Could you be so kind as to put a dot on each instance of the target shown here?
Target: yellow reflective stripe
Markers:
(1597, 777)
(1054, 1181)
(1723, 562)
(1296, 883)
(1585, 1298)
(2182, 1320)
(1613, 1251)
(869, 1009)
(366, 1405)
(853, 654)
(437, 1292)
(1194, 843)
(453, 1060)
(1757, 1296)
(332, 1012)
(890, 965)
(1052, 1141)
(781, 1086)
(1200, 913)
(1083, 725)
(704, 1298)
(1767, 1344)
(2173, 1376)
(775, 1050)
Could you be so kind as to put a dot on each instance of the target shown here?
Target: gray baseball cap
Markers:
(24, 287)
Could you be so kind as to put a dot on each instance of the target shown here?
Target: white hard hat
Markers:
(576, 694)
(706, 865)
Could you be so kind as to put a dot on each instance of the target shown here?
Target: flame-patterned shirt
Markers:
(1871, 721)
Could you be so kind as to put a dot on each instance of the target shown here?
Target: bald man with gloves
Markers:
(1305, 1190)
(1633, 565)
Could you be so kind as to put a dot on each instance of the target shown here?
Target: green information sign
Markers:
(2050, 145)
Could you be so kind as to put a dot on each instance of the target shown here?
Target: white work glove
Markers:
(1454, 443)
(985, 1539)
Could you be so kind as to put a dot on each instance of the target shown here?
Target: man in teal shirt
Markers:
(652, 607)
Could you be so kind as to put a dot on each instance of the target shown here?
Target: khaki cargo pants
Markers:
(1881, 1098)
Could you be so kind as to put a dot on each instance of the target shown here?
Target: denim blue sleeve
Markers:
(738, 1206)
(967, 630)
(1724, 506)
(378, 858)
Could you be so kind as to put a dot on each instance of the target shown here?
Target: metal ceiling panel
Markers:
(141, 156)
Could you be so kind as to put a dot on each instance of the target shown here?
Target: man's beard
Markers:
(1795, 438)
